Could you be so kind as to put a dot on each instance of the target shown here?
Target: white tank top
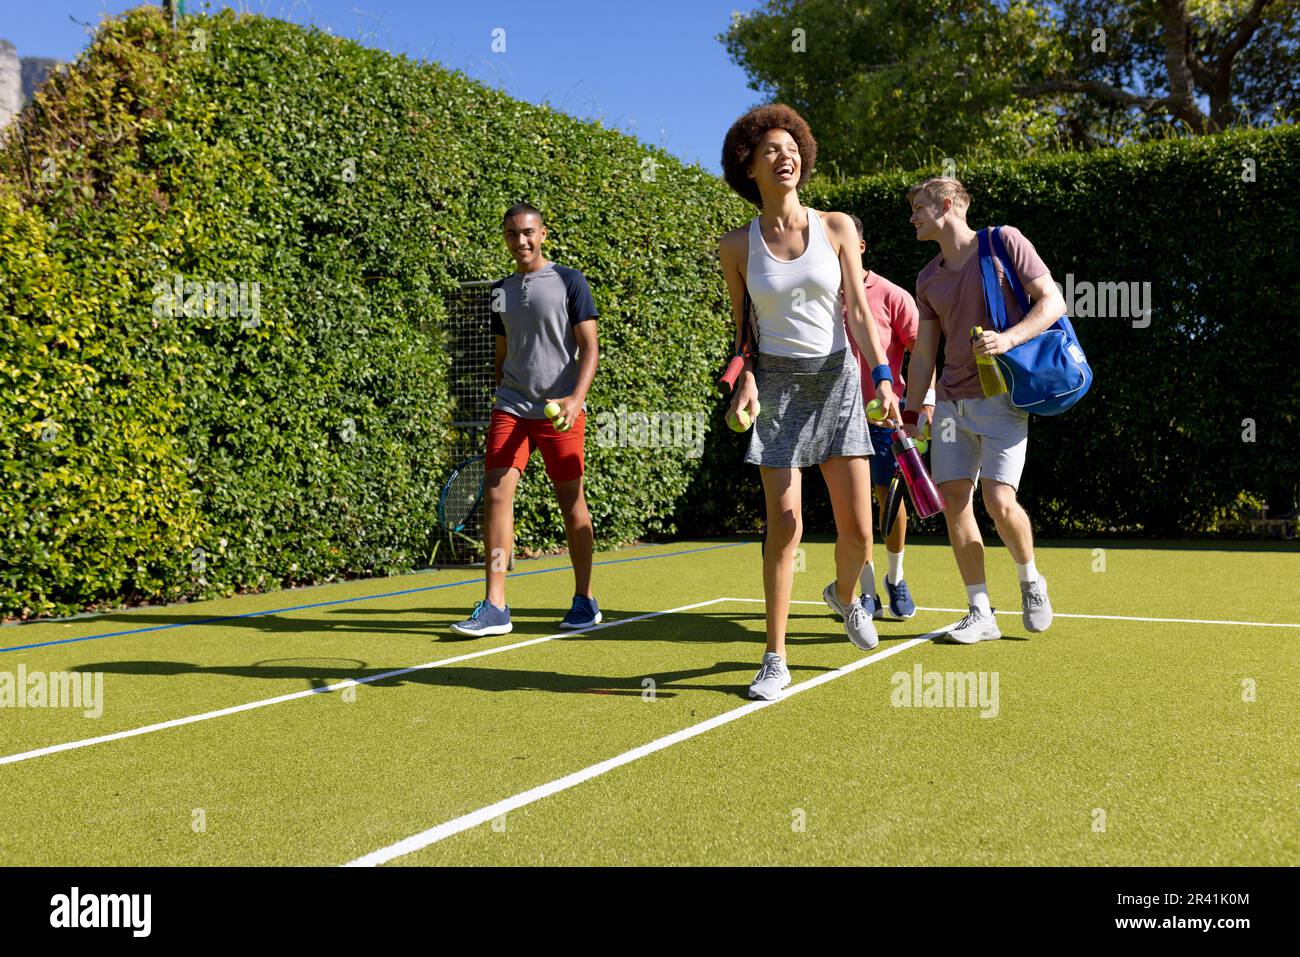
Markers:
(797, 302)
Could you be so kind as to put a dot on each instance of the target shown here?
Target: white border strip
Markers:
(485, 814)
(1061, 614)
(350, 683)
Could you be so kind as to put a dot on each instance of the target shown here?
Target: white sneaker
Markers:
(771, 678)
(974, 627)
(1035, 609)
(857, 620)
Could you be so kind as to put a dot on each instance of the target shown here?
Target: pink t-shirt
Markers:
(896, 322)
(955, 299)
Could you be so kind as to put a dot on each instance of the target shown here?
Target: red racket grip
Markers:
(729, 376)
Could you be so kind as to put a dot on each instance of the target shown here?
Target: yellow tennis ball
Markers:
(739, 421)
(875, 410)
(552, 409)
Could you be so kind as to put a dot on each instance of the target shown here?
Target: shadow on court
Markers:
(667, 684)
(433, 623)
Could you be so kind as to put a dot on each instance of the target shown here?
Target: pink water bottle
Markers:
(926, 500)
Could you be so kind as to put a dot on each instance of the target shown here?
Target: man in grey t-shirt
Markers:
(544, 325)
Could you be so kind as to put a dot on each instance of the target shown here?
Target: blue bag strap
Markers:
(997, 307)
(1008, 267)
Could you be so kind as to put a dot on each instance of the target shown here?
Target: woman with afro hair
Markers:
(802, 388)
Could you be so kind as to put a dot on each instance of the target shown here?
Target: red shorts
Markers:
(511, 441)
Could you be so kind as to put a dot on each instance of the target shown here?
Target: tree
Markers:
(887, 82)
(890, 83)
(1204, 64)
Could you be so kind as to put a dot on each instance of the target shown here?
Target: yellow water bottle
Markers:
(991, 382)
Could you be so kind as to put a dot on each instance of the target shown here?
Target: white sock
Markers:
(895, 566)
(978, 597)
(1028, 571)
(867, 579)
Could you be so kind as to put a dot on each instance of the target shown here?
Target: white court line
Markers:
(485, 814)
(1061, 614)
(350, 683)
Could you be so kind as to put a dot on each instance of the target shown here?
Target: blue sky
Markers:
(655, 71)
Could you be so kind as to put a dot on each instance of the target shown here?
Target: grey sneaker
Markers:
(1035, 608)
(485, 619)
(857, 620)
(771, 678)
(974, 627)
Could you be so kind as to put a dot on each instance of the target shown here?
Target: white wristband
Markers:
(929, 398)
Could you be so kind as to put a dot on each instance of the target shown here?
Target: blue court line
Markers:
(346, 601)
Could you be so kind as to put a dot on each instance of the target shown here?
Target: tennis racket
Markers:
(746, 346)
(893, 499)
(461, 494)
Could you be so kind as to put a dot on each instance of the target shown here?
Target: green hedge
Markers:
(1157, 445)
(197, 455)
(155, 453)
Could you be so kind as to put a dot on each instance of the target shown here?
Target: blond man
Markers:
(976, 439)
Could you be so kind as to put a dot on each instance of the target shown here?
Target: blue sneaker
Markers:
(583, 614)
(485, 619)
(871, 605)
(900, 599)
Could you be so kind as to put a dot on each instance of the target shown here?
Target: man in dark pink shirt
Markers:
(976, 438)
(896, 322)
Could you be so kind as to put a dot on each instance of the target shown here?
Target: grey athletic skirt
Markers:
(811, 410)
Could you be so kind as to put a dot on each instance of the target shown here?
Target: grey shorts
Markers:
(810, 411)
(974, 437)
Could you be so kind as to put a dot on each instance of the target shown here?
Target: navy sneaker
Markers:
(900, 599)
(485, 619)
(583, 614)
(871, 605)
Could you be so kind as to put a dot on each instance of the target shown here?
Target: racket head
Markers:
(892, 501)
(746, 345)
(750, 326)
(461, 493)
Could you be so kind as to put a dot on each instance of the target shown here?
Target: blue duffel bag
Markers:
(1047, 374)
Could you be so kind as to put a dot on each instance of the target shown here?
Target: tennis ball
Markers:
(875, 410)
(739, 421)
(922, 446)
(552, 410)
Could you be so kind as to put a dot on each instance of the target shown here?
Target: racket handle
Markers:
(727, 384)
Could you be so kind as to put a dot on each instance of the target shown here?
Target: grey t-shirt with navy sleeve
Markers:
(536, 312)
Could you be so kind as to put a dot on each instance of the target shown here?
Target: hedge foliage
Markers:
(297, 429)
(162, 450)
(1158, 445)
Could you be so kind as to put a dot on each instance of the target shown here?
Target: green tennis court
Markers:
(1155, 723)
